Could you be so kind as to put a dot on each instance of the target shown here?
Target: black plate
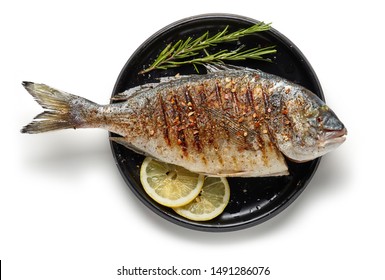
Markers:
(252, 200)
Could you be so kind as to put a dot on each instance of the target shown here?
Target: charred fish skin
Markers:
(214, 124)
(231, 122)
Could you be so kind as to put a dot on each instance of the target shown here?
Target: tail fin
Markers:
(59, 105)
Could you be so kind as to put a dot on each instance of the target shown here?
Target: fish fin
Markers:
(283, 172)
(222, 67)
(59, 113)
(122, 141)
(132, 92)
(164, 80)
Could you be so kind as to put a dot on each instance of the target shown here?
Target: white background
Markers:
(65, 211)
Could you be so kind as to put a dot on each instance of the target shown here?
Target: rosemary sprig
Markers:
(195, 51)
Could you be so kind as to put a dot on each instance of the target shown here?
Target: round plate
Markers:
(252, 200)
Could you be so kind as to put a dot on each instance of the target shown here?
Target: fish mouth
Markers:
(334, 137)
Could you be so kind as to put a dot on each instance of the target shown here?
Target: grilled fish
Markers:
(237, 122)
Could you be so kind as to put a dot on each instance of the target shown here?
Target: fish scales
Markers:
(232, 122)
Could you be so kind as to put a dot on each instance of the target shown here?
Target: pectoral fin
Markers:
(122, 141)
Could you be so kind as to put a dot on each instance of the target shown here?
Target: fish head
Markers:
(312, 129)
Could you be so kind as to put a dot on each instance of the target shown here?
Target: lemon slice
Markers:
(168, 184)
(210, 203)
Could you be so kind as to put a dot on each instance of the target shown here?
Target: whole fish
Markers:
(229, 122)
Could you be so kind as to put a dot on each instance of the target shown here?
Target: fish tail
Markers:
(63, 110)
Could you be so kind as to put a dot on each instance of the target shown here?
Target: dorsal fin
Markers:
(127, 94)
(210, 68)
(221, 67)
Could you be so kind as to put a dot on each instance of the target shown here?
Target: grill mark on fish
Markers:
(240, 114)
(193, 115)
(164, 123)
(255, 115)
(204, 99)
(203, 95)
(256, 125)
(268, 111)
(277, 113)
(261, 115)
(218, 90)
(221, 91)
(234, 97)
(204, 117)
(208, 123)
(265, 100)
(178, 123)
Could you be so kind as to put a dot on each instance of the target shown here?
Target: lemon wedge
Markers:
(211, 201)
(168, 184)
